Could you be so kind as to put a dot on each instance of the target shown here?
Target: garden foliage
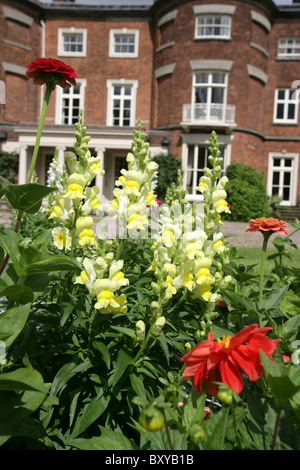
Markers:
(93, 328)
(9, 163)
(168, 166)
(246, 192)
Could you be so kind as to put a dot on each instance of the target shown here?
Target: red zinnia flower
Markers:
(51, 71)
(266, 224)
(221, 360)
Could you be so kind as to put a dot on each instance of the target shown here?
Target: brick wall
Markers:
(20, 40)
(97, 66)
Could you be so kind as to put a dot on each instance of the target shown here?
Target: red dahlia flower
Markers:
(266, 224)
(221, 360)
(51, 71)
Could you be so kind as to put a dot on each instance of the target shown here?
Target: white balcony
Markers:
(212, 115)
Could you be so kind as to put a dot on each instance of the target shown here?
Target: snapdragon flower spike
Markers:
(103, 277)
(133, 189)
(78, 199)
(188, 252)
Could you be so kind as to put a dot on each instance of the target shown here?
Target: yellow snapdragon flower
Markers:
(61, 238)
(203, 276)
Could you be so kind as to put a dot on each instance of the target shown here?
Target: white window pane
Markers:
(201, 77)
(218, 77)
(213, 26)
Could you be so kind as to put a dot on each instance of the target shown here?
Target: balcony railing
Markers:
(204, 113)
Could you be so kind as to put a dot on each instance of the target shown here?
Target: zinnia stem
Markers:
(262, 265)
(48, 92)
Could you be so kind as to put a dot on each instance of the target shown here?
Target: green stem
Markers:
(119, 250)
(276, 429)
(146, 341)
(262, 265)
(48, 92)
(34, 157)
(149, 334)
(168, 433)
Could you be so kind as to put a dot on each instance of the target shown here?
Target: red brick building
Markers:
(184, 67)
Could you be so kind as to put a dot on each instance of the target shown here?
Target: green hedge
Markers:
(167, 173)
(9, 165)
(246, 193)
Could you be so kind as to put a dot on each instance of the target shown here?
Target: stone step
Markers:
(289, 213)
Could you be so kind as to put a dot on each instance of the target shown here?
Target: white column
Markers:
(61, 155)
(23, 164)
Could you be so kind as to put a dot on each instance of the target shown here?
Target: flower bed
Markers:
(154, 338)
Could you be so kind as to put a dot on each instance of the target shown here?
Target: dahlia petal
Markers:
(201, 350)
(267, 345)
(191, 370)
(200, 377)
(248, 362)
(231, 375)
(242, 336)
(212, 387)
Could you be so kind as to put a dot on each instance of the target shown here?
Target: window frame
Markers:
(202, 140)
(282, 169)
(59, 100)
(209, 86)
(111, 83)
(286, 101)
(60, 43)
(213, 25)
(286, 55)
(123, 32)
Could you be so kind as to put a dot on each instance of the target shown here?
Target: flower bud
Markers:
(197, 433)
(158, 326)
(140, 330)
(152, 418)
(225, 395)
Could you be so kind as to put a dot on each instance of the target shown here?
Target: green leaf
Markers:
(66, 372)
(193, 410)
(91, 412)
(15, 410)
(287, 305)
(277, 378)
(275, 298)
(54, 264)
(25, 378)
(292, 325)
(127, 331)
(110, 440)
(9, 240)
(122, 363)
(102, 348)
(138, 385)
(215, 430)
(4, 183)
(239, 301)
(12, 322)
(18, 292)
(2, 255)
(27, 197)
(38, 282)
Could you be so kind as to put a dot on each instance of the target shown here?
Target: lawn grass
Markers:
(252, 254)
